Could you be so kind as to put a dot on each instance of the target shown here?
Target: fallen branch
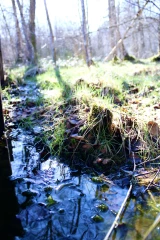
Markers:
(126, 32)
(151, 182)
(151, 160)
(115, 223)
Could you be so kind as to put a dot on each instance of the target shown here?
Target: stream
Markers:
(51, 201)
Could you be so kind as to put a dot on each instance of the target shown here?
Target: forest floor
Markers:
(104, 116)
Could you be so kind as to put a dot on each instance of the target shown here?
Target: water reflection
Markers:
(59, 203)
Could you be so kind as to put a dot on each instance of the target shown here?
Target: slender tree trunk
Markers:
(18, 34)
(52, 40)
(1, 83)
(88, 35)
(112, 24)
(30, 50)
(85, 35)
(141, 43)
(123, 51)
(115, 34)
(32, 25)
(159, 35)
(8, 30)
(126, 32)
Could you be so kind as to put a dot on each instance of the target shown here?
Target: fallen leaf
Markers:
(73, 121)
(134, 90)
(76, 136)
(87, 146)
(99, 160)
(153, 128)
(106, 161)
(157, 106)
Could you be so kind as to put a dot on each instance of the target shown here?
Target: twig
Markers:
(146, 173)
(152, 227)
(151, 160)
(151, 182)
(123, 204)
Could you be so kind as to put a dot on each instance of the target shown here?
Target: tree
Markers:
(1, 83)
(18, 34)
(123, 51)
(32, 33)
(7, 28)
(115, 34)
(30, 50)
(159, 35)
(114, 49)
(85, 35)
(53, 51)
(141, 42)
(112, 24)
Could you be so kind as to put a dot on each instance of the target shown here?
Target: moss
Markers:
(97, 179)
(115, 60)
(100, 118)
(97, 218)
(155, 58)
(129, 58)
(102, 207)
(104, 188)
(50, 201)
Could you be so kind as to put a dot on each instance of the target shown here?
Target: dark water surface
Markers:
(49, 201)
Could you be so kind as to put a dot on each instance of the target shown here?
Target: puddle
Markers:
(53, 204)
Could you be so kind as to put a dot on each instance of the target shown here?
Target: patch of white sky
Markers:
(67, 12)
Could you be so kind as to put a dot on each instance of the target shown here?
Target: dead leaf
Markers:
(153, 128)
(157, 106)
(103, 150)
(135, 101)
(98, 160)
(134, 90)
(76, 122)
(106, 161)
(87, 146)
(73, 121)
(76, 136)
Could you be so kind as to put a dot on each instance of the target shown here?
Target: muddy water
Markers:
(54, 202)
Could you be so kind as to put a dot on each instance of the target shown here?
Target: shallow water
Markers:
(47, 200)
(53, 202)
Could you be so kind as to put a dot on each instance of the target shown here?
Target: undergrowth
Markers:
(114, 101)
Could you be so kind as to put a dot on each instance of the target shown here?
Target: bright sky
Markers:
(66, 11)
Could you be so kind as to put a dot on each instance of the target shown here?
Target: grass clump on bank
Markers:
(101, 114)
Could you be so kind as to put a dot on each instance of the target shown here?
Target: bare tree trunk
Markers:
(51, 34)
(112, 24)
(30, 50)
(85, 35)
(123, 51)
(8, 30)
(126, 32)
(141, 42)
(115, 34)
(32, 25)
(159, 35)
(18, 34)
(88, 35)
(1, 83)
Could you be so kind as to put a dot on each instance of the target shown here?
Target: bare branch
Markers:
(126, 32)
